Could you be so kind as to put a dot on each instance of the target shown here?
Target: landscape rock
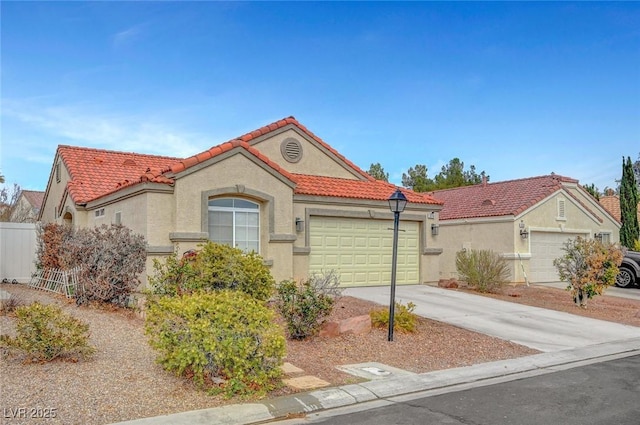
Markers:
(356, 325)
(330, 329)
(448, 283)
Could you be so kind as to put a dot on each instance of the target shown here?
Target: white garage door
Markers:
(546, 247)
(361, 250)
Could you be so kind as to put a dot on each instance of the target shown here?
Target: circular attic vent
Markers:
(291, 150)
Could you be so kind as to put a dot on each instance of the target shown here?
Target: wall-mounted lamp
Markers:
(523, 232)
(435, 229)
(299, 225)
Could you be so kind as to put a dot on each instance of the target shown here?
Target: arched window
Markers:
(235, 222)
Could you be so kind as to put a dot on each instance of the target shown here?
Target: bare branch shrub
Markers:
(111, 258)
(9, 305)
(52, 241)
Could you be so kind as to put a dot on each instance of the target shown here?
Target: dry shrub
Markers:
(110, 258)
(482, 270)
(53, 239)
(9, 305)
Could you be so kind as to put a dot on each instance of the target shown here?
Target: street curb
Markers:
(313, 401)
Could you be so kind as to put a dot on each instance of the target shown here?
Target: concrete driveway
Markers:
(538, 328)
(632, 293)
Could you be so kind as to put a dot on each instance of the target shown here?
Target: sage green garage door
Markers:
(361, 250)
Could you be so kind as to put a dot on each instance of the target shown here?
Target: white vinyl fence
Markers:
(17, 251)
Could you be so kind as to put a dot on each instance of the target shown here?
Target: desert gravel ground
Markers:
(123, 382)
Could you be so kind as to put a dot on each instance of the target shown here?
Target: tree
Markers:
(451, 175)
(9, 201)
(593, 190)
(454, 175)
(416, 179)
(589, 266)
(1, 178)
(630, 230)
(636, 172)
(377, 172)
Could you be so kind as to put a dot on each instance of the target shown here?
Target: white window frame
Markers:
(99, 213)
(234, 210)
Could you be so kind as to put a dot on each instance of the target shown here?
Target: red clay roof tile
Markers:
(357, 189)
(510, 197)
(34, 197)
(91, 180)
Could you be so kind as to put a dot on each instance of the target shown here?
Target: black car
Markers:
(629, 270)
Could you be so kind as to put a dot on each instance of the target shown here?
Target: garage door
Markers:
(361, 250)
(546, 247)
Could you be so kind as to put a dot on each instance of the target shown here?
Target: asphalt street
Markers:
(603, 393)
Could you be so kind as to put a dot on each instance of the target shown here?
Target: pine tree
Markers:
(630, 230)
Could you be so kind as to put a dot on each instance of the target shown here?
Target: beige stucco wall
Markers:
(242, 178)
(314, 160)
(495, 235)
(54, 194)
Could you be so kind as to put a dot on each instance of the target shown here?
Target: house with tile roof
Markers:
(279, 190)
(611, 202)
(27, 207)
(526, 221)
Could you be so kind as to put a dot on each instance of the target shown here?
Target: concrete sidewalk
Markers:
(538, 328)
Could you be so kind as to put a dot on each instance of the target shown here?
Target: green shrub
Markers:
(404, 320)
(482, 270)
(226, 341)
(174, 276)
(45, 332)
(305, 305)
(214, 267)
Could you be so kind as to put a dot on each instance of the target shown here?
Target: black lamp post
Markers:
(397, 202)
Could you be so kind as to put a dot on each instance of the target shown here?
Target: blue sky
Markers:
(516, 89)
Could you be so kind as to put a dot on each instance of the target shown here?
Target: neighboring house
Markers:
(611, 203)
(526, 221)
(27, 207)
(279, 190)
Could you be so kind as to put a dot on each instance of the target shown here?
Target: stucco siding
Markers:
(238, 176)
(54, 194)
(159, 215)
(314, 161)
(493, 235)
